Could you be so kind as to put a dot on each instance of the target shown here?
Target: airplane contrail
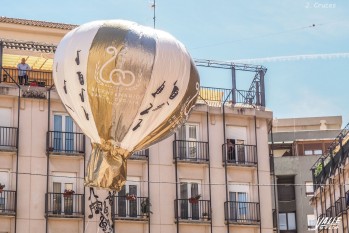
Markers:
(293, 58)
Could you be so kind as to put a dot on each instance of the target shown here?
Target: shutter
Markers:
(57, 136)
(69, 136)
(133, 203)
(122, 202)
(183, 202)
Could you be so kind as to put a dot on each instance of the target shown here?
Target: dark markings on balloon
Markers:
(82, 95)
(65, 87)
(138, 125)
(101, 208)
(69, 107)
(146, 111)
(86, 114)
(95, 207)
(77, 59)
(92, 191)
(167, 103)
(159, 90)
(81, 78)
(158, 107)
(174, 92)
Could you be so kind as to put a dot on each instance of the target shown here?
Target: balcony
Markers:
(244, 213)
(218, 96)
(331, 212)
(7, 202)
(41, 78)
(192, 211)
(8, 138)
(239, 154)
(67, 143)
(140, 155)
(340, 206)
(190, 151)
(61, 205)
(135, 208)
(327, 164)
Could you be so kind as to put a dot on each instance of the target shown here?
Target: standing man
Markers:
(22, 72)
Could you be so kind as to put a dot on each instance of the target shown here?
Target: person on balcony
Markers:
(22, 72)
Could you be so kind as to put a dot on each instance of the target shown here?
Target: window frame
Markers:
(287, 221)
(309, 184)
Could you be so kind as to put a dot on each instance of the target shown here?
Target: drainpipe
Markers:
(176, 183)
(259, 201)
(148, 189)
(209, 165)
(47, 153)
(274, 181)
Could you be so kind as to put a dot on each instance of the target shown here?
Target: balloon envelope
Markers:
(127, 86)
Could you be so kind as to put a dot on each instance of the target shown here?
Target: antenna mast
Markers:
(154, 6)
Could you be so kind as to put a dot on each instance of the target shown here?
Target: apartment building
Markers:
(297, 144)
(331, 190)
(204, 178)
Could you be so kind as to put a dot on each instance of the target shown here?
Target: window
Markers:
(4, 180)
(64, 127)
(188, 189)
(309, 188)
(311, 219)
(61, 182)
(129, 207)
(189, 136)
(236, 138)
(285, 188)
(238, 201)
(287, 221)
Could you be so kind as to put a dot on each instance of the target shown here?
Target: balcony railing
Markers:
(326, 165)
(65, 142)
(192, 210)
(239, 154)
(8, 137)
(142, 155)
(136, 208)
(331, 212)
(190, 151)
(66, 206)
(230, 96)
(340, 205)
(242, 212)
(7, 202)
(41, 78)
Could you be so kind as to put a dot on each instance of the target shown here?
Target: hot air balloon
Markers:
(127, 87)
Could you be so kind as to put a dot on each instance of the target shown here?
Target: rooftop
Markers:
(37, 23)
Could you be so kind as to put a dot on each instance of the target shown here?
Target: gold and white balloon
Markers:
(127, 86)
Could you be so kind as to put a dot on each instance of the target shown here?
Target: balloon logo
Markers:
(127, 87)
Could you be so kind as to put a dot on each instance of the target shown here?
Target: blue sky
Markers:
(230, 30)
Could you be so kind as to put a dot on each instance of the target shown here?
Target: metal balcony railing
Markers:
(327, 164)
(340, 206)
(331, 212)
(142, 154)
(191, 151)
(239, 154)
(65, 142)
(131, 207)
(8, 137)
(230, 96)
(192, 209)
(62, 205)
(242, 212)
(7, 202)
(40, 78)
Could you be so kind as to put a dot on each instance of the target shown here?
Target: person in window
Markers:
(231, 150)
(22, 72)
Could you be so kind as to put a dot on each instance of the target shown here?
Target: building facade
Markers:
(204, 178)
(331, 190)
(297, 144)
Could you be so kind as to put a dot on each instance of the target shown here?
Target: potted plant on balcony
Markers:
(145, 207)
(68, 193)
(2, 186)
(195, 199)
(205, 216)
(131, 197)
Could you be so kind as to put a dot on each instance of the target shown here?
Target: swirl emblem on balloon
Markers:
(125, 77)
